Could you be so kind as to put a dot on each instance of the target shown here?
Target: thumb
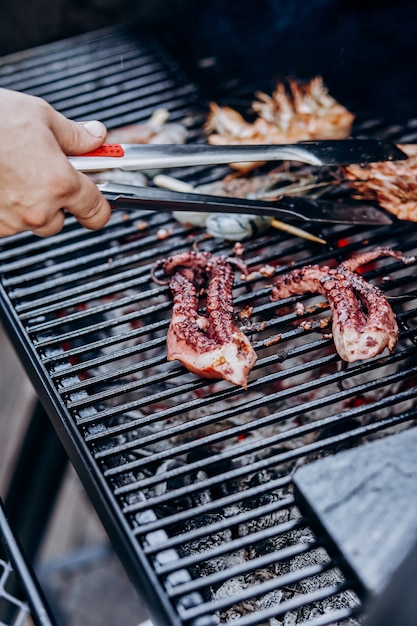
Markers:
(77, 137)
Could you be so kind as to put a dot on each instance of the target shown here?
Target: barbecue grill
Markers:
(194, 479)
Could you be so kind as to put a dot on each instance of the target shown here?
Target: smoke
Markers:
(364, 50)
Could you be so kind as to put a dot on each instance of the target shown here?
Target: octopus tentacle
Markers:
(211, 346)
(363, 322)
(366, 257)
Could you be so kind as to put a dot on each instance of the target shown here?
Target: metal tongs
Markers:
(289, 209)
(317, 153)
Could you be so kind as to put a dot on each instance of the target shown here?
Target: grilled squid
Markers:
(363, 322)
(210, 345)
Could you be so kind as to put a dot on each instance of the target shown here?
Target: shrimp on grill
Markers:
(392, 184)
(304, 112)
(294, 112)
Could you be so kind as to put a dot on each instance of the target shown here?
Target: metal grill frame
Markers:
(14, 563)
(136, 560)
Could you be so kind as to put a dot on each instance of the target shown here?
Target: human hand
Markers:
(37, 182)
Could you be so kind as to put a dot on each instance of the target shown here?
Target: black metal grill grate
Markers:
(193, 481)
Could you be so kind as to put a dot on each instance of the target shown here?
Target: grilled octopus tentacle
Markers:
(363, 321)
(211, 346)
(366, 257)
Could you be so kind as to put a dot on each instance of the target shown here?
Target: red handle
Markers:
(107, 150)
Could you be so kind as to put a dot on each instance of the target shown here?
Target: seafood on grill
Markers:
(156, 130)
(392, 184)
(363, 322)
(238, 227)
(210, 345)
(229, 226)
(294, 112)
(282, 180)
(235, 226)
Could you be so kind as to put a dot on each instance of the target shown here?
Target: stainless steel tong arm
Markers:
(285, 208)
(316, 153)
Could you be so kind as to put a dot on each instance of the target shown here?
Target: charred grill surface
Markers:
(193, 478)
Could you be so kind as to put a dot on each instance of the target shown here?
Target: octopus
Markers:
(294, 112)
(211, 345)
(392, 184)
(363, 322)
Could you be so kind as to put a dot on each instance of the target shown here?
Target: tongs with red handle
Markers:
(289, 208)
(317, 153)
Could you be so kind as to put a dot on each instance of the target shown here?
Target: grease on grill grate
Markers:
(201, 470)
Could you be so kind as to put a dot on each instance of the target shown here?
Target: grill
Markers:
(193, 480)
(21, 598)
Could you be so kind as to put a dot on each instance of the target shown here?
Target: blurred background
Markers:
(363, 49)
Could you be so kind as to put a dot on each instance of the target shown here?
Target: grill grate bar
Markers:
(392, 268)
(25, 260)
(56, 358)
(220, 503)
(138, 68)
(135, 368)
(98, 42)
(82, 298)
(140, 366)
(151, 94)
(91, 314)
(236, 431)
(251, 447)
(178, 102)
(75, 296)
(117, 355)
(263, 588)
(246, 406)
(58, 84)
(290, 605)
(109, 261)
(224, 524)
(336, 616)
(257, 563)
(60, 254)
(323, 445)
(37, 249)
(50, 340)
